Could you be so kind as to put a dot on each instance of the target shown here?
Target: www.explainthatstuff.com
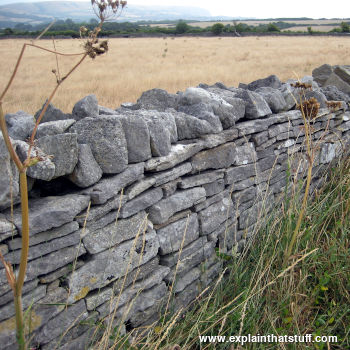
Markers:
(270, 338)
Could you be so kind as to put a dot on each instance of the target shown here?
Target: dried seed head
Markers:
(309, 108)
(303, 86)
(105, 9)
(333, 105)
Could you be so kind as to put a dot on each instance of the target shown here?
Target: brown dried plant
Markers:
(333, 105)
(309, 107)
(104, 10)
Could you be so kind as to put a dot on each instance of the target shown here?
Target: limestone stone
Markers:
(256, 106)
(44, 248)
(170, 175)
(141, 202)
(49, 212)
(106, 111)
(109, 187)
(27, 287)
(245, 154)
(119, 231)
(211, 217)
(242, 185)
(156, 99)
(183, 298)
(336, 81)
(273, 97)
(53, 127)
(53, 261)
(190, 127)
(271, 81)
(209, 275)
(239, 173)
(322, 73)
(61, 272)
(178, 154)
(58, 325)
(8, 310)
(85, 108)
(7, 229)
(44, 170)
(329, 151)
(252, 126)
(214, 187)
(127, 295)
(214, 199)
(63, 148)
(139, 275)
(19, 125)
(214, 140)
(343, 72)
(139, 187)
(181, 232)
(225, 234)
(52, 114)
(9, 177)
(163, 210)
(216, 158)
(201, 179)
(106, 138)
(182, 282)
(87, 171)
(279, 128)
(137, 138)
(111, 264)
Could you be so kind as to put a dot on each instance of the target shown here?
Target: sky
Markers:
(254, 8)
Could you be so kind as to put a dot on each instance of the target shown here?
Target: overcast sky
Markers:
(254, 8)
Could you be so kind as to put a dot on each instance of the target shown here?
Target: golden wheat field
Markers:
(134, 65)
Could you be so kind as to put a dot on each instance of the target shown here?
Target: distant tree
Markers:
(182, 27)
(8, 31)
(272, 28)
(309, 30)
(345, 27)
(217, 28)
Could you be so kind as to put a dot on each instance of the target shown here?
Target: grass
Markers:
(259, 296)
(135, 65)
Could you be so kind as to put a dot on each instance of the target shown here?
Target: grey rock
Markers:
(288, 94)
(85, 108)
(59, 324)
(44, 170)
(211, 217)
(111, 186)
(4, 249)
(205, 112)
(157, 99)
(163, 210)
(141, 202)
(214, 140)
(256, 106)
(184, 281)
(239, 173)
(183, 298)
(214, 199)
(170, 175)
(201, 179)
(105, 136)
(178, 154)
(332, 93)
(225, 234)
(252, 126)
(260, 138)
(7, 229)
(170, 187)
(8, 310)
(274, 98)
(240, 197)
(109, 265)
(177, 234)
(61, 272)
(219, 157)
(279, 128)
(9, 177)
(329, 151)
(53, 261)
(115, 233)
(53, 128)
(334, 79)
(322, 73)
(64, 151)
(245, 154)
(190, 127)
(209, 275)
(42, 249)
(87, 171)
(139, 187)
(49, 212)
(343, 72)
(106, 111)
(19, 125)
(194, 96)
(129, 294)
(27, 287)
(148, 275)
(214, 187)
(137, 138)
(271, 81)
(242, 185)
(319, 96)
(52, 114)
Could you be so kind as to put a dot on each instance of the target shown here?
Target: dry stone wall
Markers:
(127, 201)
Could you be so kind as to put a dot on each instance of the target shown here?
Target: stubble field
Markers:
(134, 65)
